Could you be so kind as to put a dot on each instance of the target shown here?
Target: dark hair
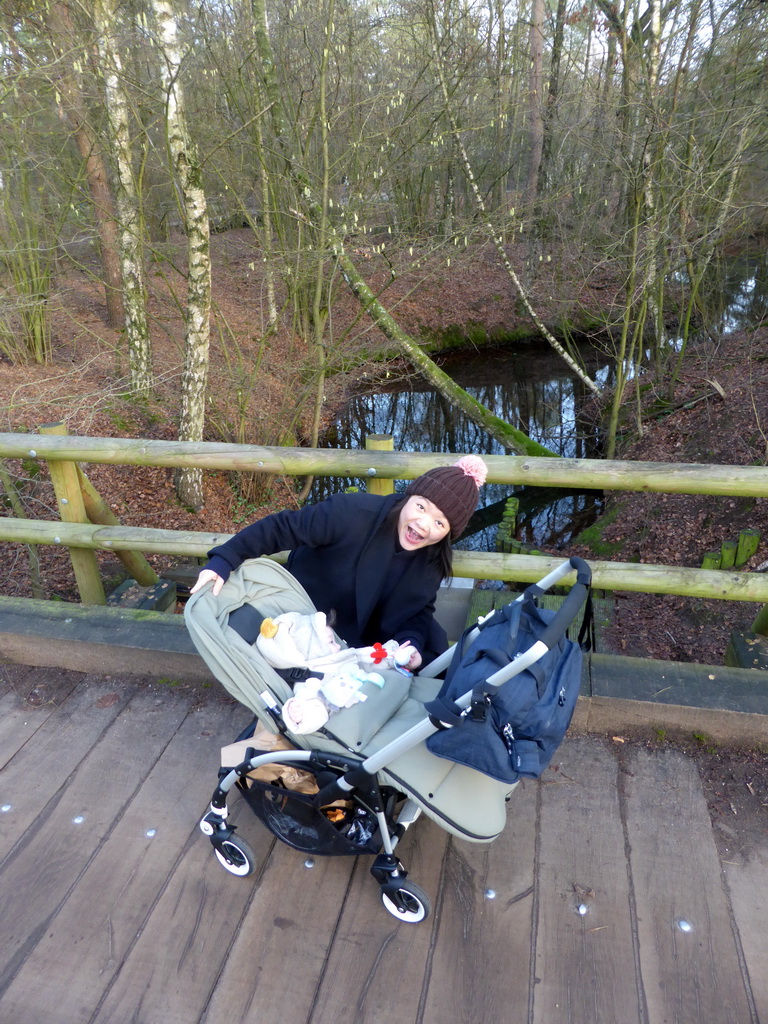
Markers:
(442, 552)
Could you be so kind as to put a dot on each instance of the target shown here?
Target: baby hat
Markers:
(453, 489)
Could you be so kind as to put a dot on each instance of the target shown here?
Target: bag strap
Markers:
(585, 631)
(585, 637)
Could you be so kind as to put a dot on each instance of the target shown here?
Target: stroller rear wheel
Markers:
(405, 901)
(236, 856)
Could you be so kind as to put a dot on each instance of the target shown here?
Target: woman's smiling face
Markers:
(420, 524)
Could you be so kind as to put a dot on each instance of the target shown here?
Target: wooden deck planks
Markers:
(585, 964)
(100, 923)
(278, 957)
(114, 897)
(42, 769)
(25, 705)
(747, 877)
(376, 966)
(44, 867)
(693, 976)
(172, 969)
(481, 961)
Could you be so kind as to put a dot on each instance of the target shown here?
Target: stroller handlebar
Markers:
(565, 615)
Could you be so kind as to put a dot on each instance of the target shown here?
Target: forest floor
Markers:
(720, 415)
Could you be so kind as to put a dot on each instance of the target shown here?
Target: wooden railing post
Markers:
(380, 443)
(99, 513)
(72, 510)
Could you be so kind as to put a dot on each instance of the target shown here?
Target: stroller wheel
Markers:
(406, 901)
(236, 856)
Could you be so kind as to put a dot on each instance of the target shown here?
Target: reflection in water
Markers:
(530, 387)
(526, 385)
(737, 293)
(733, 295)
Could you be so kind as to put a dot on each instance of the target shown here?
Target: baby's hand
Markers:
(407, 656)
(206, 576)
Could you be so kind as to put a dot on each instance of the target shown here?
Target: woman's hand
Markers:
(206, 575)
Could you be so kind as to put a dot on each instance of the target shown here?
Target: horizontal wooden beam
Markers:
(596, 474)
(626, 576)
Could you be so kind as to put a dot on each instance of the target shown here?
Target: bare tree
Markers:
(186, 167)
(105, 15)
(74, 108)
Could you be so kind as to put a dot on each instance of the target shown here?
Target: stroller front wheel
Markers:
(236, 856)
(406, 901)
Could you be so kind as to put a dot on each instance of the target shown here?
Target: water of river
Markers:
(529, 386)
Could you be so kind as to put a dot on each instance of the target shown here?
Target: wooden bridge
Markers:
(623, 890)
(609, 898)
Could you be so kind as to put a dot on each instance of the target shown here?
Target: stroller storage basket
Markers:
(296, 821)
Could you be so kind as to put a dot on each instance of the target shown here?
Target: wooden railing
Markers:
(379, 468)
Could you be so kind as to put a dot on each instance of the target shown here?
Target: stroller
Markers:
(357, 784)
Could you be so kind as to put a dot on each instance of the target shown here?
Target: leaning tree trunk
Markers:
(512, 439)
(131, 258)
(189, 482)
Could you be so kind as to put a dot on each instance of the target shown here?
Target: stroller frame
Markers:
(347, 776)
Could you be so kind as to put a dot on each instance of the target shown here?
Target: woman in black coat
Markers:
(375, 562)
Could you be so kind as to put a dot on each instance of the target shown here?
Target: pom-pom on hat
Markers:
(453, 489)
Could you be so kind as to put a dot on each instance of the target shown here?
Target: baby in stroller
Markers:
(333, 673)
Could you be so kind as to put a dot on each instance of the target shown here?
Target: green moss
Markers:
(31, 468)
(120, 421)
(473, 335)
(592, 537)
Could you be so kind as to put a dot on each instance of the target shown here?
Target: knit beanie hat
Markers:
(453, 489)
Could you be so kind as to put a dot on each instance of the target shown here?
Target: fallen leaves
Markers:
(108, 700)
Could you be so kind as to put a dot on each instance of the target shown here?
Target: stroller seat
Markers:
(465, 802)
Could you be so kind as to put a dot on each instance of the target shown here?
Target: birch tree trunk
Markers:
(189, 482)
(129, 222)
(73, 108)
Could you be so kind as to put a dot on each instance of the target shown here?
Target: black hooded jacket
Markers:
(347, 557)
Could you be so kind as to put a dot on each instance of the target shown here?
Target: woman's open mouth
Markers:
(412, 536)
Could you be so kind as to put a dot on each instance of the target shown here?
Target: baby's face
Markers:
(331, 640)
